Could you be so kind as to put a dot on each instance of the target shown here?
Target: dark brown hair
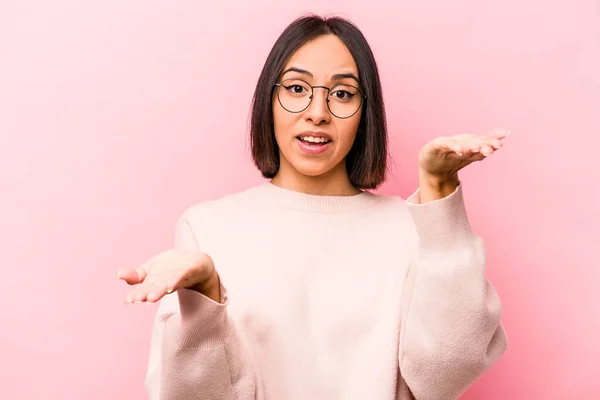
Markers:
(367, 160)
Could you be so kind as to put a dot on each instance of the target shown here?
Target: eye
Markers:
(342, 95)
(295, 89)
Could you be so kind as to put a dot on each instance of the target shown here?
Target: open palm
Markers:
(445, 156)
(164, 273)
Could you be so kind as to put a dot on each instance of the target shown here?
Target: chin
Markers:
(313, 168)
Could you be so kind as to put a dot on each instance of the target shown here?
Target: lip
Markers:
(309, 149)
(316, 134)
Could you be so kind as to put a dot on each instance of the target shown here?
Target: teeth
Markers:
(314, 139)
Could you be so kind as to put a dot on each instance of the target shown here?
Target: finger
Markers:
(489, 145)
(140, 295)
(134, 276)
(470, 144)
(129, 297)
(156, 292)
(498, 133)
(486, 150)
(473, 148)
(448, 145)
(154, 289)
(494, 143)
(137, 295)
(129, 275)
(143, 271)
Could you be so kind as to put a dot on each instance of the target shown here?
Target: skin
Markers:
(324, 173)
(440, 161)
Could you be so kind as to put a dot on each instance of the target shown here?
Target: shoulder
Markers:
(391, 202)
(215, 220)
(219, 208)
(391, 212)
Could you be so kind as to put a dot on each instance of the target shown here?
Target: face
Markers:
(313, 142)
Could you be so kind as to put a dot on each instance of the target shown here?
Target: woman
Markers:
(309, 286)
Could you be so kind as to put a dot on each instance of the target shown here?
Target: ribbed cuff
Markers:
(441, 224)
(204, 322)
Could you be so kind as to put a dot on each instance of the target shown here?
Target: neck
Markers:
(332, 183)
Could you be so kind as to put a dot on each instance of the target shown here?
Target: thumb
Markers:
(132, 276)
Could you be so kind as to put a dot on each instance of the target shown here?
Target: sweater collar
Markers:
(277, 196)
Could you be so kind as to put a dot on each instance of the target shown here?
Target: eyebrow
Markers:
(335, 77)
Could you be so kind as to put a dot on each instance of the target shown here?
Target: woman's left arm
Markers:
(451, 331)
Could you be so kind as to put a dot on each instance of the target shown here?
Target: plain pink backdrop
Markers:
(115, 116)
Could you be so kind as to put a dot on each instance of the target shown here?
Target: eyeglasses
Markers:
(295, 95)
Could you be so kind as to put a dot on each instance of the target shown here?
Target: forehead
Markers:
(323, 57)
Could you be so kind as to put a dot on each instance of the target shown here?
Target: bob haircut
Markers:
(366, 161)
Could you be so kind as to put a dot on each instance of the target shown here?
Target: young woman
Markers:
(309, 286)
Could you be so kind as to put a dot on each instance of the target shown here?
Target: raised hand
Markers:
(445, 156)
(442, 158)
(170, 271)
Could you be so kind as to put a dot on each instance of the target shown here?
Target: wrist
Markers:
(209, 287)
(435, 187)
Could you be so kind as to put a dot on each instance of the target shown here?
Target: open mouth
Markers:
(313, 145)
(313, 141)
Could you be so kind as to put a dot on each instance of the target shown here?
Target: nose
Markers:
(318, 112)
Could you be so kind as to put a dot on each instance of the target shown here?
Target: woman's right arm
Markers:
(195, 351)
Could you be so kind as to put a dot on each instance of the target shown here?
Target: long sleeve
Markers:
(451, 331)
(195, 350)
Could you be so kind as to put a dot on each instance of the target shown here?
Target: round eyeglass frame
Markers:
(363, 97)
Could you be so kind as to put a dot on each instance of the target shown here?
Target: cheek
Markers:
(282, 122)
(347, 131)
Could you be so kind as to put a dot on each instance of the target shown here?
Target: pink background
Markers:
(116, 116)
